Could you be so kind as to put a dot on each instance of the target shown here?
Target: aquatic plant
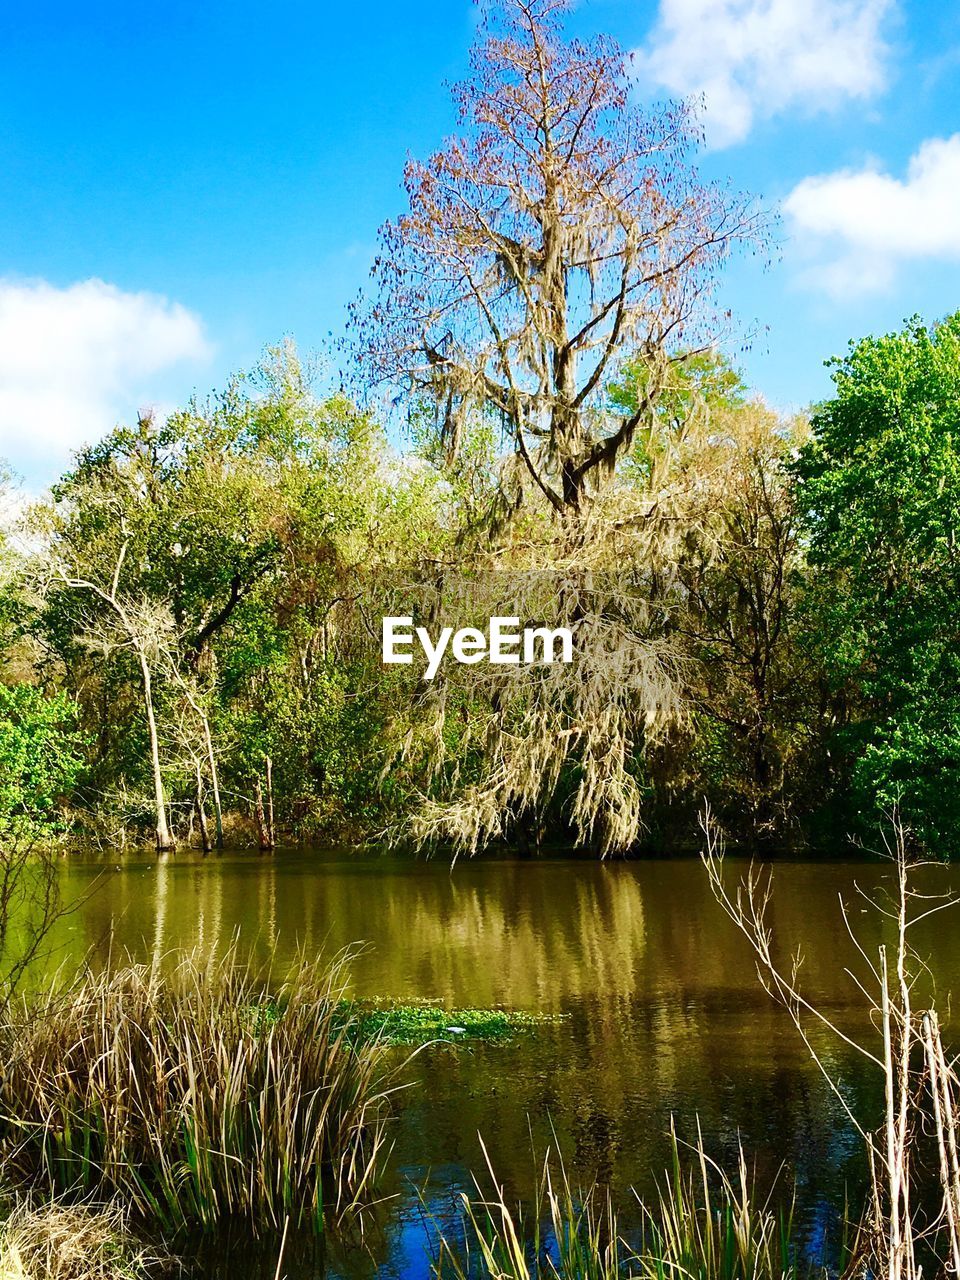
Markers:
(427, 1022)
(707, 1225)
(896, 1239)
(704, 1225)
(197, 1093)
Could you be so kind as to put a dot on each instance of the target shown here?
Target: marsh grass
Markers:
(75, 1242)
(702, 1225)
(707, 1225)
(198, 1094)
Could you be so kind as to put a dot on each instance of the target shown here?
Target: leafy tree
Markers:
(753, 688)
(879, 485)
(729, 594)
(40, 761)
(164, 538)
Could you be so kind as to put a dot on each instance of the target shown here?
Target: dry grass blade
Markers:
(74, 1242)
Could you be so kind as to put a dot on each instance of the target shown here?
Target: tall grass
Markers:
(74, 1242)
(197, 1094)
(707, 1225)
(703, 1225)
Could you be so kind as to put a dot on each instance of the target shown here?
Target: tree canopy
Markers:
(879, 484)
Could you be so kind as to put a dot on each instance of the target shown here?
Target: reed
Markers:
(707, 1225)
(196, 1093)
(896, 1239)
(702, 1225)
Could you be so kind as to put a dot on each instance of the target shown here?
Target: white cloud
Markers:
(757, 58)
(75, 360)
(868, 222)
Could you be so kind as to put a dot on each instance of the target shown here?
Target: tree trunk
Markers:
(165, 841)
(263, 835)
(201, 815)
(271, 829)
(214, 783)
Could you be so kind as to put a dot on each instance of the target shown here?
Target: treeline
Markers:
(766, 611)
(192, 640)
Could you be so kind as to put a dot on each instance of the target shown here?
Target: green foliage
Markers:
(228, 535)
(698, 378)
(40, 760)
(697, 383)
(428, 1023)
(879, 485)
(799, 615)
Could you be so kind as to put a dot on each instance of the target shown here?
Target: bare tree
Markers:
(560, 234)
(921, 1087)
(560, 230)
(195, 726)
(139, 627)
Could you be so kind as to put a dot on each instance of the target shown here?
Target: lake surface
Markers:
(662, 1013)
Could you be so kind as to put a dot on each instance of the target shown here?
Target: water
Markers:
(662, 1013)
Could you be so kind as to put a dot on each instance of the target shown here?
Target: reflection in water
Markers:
(662, 1012)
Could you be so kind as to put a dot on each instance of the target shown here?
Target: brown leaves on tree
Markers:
(560, 230)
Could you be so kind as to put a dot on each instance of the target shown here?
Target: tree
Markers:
(39, 761)
(169, 546)
(753, 686)
(130, 622)
(158, 536)
(560, 230)
(560, 234)
(729, 593)
(879, 485)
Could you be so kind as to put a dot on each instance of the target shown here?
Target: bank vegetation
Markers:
(539, 415)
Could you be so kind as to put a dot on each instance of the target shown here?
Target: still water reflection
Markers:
(663, 1014)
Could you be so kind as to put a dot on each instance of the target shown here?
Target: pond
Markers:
(660, 1013)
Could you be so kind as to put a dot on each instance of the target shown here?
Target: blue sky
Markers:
(183, 184)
